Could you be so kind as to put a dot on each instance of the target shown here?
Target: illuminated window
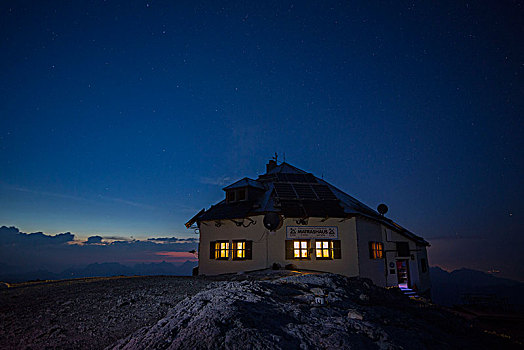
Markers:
(300, 249)
(324, 249)
(219, 250)
(239, 250)
(376, 250)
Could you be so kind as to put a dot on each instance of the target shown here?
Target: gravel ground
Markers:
(281, 314)
(260, 310)
(89, 313)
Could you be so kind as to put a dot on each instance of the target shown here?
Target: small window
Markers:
(376, 250)
(403, 249)
(242, 250)
(241, 194)
(230, 196)
(239, 250)
(222, 250)
(301, 249)
(297, 249)
(236, 195)
(324, 250)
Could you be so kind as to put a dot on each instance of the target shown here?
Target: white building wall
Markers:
(229, 231)
(269, 247)
(374, 269)
(418, 279)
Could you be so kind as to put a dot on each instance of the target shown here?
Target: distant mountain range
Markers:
(11, 274)
(448, 288)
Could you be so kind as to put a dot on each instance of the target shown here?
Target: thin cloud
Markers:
(116, 238)
(79, 198)
(173, 240)
(44, 193)
(217, 181)
(455, 237)
(127, 202)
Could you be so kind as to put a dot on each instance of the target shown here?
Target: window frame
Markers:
(330, 249)
(235, 249)
(237, 194)
(301, 249)
(233, 196)
(218, 250)
(403, 249)
(376, 250)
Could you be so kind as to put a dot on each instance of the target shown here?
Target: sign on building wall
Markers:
(307, 232)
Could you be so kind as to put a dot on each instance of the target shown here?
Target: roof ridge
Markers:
(281, 166)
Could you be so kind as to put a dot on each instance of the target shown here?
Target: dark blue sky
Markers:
(125, 118)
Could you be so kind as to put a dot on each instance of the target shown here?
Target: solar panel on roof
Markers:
(310, 208)
(304, 191)
(303, 178)
(324, 192)
(285, 190)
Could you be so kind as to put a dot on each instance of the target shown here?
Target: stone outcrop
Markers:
(283, 314)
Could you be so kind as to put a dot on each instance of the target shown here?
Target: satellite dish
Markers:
(382, 209)
(272, 221)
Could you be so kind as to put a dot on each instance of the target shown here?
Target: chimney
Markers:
(272, 164)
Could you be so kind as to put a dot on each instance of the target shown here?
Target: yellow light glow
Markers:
(300, 249)
(221, 250)
(241, 252)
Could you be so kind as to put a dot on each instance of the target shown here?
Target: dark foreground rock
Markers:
(282, 314)
(89, 313)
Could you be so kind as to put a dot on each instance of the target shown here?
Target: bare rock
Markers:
(354, 315)
(276, 315)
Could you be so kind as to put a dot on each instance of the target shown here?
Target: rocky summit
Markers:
(308, 311)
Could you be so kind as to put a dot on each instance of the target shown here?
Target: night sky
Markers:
(127, 117)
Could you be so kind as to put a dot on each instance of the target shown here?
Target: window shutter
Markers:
(371, 256)
(249, 250)
(289, 249)
(212, 250)
(337, 253)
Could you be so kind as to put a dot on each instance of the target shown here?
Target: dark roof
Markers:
(296, 193)
(286, 169)
(245, 182)
(223, 210)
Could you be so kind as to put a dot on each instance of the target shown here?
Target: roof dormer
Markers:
(243, 190)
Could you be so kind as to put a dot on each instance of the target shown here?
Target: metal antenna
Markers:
(275, 158)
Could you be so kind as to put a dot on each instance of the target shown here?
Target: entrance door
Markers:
(403, 273)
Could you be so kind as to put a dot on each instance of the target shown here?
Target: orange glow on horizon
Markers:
(179, 255)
